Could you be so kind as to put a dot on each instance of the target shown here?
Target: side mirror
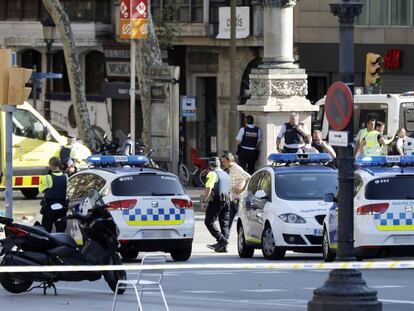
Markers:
(260, 194)
(329, 197)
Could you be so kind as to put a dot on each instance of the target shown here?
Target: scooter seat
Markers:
(63, 238)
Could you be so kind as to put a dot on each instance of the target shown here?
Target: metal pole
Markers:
(132, 90)
(48, 81)
(345, 289)
(9, 109)
(232, 55)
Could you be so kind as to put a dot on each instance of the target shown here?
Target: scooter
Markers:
(34, 246)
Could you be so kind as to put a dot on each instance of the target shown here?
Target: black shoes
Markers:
(212, 246)
(221, 246)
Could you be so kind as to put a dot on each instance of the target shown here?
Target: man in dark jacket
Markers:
(248, 141)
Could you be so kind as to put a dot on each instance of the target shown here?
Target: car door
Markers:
(248, 203)
(258, 204)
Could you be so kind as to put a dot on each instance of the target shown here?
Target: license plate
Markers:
(155, 235)
(317, 232)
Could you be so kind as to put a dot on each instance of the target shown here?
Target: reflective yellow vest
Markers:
(372, 147)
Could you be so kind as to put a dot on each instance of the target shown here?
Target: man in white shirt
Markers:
(238, 182)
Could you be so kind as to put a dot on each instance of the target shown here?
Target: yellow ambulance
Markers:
(35, 141)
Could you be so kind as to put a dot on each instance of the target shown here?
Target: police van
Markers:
(35, 141)
(283, 207)
(383, 209)
(395, 110)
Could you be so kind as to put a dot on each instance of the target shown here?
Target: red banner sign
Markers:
(393, 59)
(133, 19)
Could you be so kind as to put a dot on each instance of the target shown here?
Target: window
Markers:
(254, 183)
(59, 66)
(390, 188)
(266, 185)
(80, 185)
(2, 9)
(386, 13)
(94, 73)
(147, 185)
(31, 59)
(301, 186)
(25, 124)
(187, 11)
(31, 9)
(88, 10)
(14, 9)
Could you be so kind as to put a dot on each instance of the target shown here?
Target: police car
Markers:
(149, 206)
(383, 209)
(283, 208)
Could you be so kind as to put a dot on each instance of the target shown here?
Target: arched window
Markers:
(59, 66)
(94, 72)
(31, 59)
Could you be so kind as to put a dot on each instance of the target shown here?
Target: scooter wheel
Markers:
(12, 285)
(112, 277)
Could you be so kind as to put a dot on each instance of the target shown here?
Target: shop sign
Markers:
(393, 59)
(117, 90)
(242, 22)
(118, 69)
(133, 19)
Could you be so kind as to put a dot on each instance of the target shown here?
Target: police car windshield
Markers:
(305, 186)
(147, 185)
(390, 188)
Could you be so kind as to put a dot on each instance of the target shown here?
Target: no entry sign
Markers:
(339, 106)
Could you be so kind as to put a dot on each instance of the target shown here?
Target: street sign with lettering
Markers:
(46, 75)
(339, 106)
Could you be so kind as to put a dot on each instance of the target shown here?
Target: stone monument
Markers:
(278, 86)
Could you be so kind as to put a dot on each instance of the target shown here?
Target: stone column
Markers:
(278, 86)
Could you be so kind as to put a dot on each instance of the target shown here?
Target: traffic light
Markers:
(13, 90)
(18, 92)
(373, 69)
(5, 65)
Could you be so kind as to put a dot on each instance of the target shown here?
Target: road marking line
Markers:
(308, 288)
(263, 290)
(398, 301)
(388, 286)
(202, 291)
(252, 265)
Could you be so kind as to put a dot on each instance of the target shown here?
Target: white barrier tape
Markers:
(249, 266)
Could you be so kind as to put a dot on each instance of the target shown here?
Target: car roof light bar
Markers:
(133, 160)
(299, 157)
(407, 160)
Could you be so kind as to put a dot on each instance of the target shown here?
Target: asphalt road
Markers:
(211, 289)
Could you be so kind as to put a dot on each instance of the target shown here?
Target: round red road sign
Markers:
(339, 106)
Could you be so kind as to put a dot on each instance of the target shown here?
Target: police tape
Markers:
(409, 264)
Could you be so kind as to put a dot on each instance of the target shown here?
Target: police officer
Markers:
(248, 141)
(69, 153)
(54, 202)
(293, 132)
(217, 194)
(369, 141)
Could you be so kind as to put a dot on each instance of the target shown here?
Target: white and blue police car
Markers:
(283, 208)
(383, 209)
(149, 206)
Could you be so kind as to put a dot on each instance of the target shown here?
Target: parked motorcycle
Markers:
(34, 246)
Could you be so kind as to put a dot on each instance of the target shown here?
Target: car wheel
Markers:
(129, 253)
(269, 248)
(181, 254)
(30, 193)
(328, 255)
(244, 250)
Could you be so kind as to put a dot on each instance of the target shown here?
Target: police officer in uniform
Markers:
(54, 202)
(293, 132)
(217, 195)
(248, 140)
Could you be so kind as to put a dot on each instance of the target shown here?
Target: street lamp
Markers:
(49, 30)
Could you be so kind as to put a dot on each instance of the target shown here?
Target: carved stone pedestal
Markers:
(276, 93)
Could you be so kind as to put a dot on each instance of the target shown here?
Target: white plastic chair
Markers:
(148, 280)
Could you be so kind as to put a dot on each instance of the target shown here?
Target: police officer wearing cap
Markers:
(248, 141)
(54, 205)
(69, 154)
(293, 132)
(217, 195)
